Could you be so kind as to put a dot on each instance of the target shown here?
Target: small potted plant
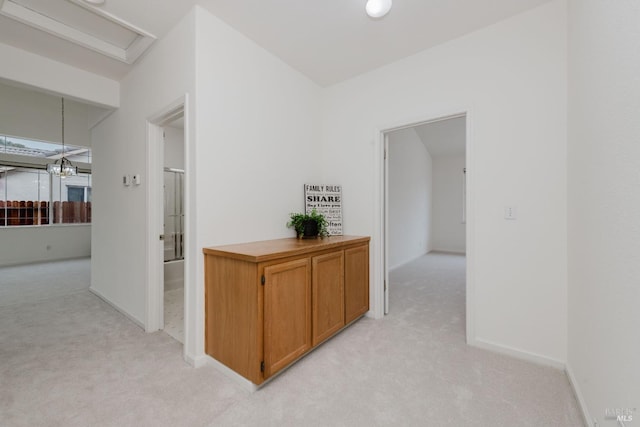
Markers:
(309, 225)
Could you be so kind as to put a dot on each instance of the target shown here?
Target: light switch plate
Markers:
(510, 212)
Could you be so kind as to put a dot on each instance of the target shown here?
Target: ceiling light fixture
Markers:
(95, 1)
(62, 167)
(378, 8)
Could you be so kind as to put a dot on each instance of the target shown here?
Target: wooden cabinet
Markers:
(287, 313)
(327, 295)
(356, 276)
(269, 303)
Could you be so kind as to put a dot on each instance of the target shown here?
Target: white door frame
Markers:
(154, 310)
(380, 250)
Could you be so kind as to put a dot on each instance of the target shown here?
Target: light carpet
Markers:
(72, 360)
(174, 313)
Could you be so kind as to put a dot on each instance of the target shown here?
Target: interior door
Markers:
(173, 214)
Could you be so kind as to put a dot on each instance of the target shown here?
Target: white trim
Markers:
(154, 318)
(518, 354)
(197, 362)
(377, 243)
(385, 246)
(154, 298)
(117, 308)
(437, 251)
(42, 22)
(193, 289)
(470, 228)
(154, 199)
(232, 375)
(403, 263)
(447, 251)
(378, 240)
(579, 396)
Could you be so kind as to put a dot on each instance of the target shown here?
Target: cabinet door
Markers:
(327, 299)
(287, 313)
(356, 282)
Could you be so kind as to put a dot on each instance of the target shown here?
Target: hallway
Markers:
(72, 360)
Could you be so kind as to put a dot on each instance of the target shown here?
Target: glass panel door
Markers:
(173, 214)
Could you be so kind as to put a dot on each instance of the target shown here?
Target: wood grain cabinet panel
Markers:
(287, 313)
(356, 279)
(269, 303)
(328, 295)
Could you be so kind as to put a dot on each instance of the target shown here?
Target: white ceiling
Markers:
(444, 138)
(328, 40)
(156, 17)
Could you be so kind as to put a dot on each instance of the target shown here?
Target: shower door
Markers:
(173, 214)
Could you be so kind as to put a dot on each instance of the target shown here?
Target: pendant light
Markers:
(63, 166)
(378, 8)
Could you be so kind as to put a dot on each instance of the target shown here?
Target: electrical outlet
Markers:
(510, 212)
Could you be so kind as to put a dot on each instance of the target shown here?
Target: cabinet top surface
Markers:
(273, 249)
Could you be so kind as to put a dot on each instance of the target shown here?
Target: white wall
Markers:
(24, 245)
(120, 214)
(448, 228)
(511, 77)
(257, 142)
(254, 136)
(604, 205)
(34, 71)
(174, 147)
(35, 115)
(409, 197)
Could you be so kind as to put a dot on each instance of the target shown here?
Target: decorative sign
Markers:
(327, 200)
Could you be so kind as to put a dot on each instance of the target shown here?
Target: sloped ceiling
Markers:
(333, 40)
(328, 41)
(444, 138)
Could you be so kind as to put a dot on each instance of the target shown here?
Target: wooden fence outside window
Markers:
(37, 213)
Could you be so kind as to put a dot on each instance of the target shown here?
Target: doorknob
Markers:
(162, 237)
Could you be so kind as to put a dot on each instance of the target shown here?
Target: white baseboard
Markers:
(441, 251)
(172, 284)
(448, 251)
(403, 263)
(231, 374)
(117, 308)
(43, 260)
(196, 361)
(588, 421)
(518, 354)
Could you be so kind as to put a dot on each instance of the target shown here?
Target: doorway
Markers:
(173, 229)
(426, 207)
(168, 227)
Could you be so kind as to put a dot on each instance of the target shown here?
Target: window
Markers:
(26, 147)
(78, 193)
(31, 196)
